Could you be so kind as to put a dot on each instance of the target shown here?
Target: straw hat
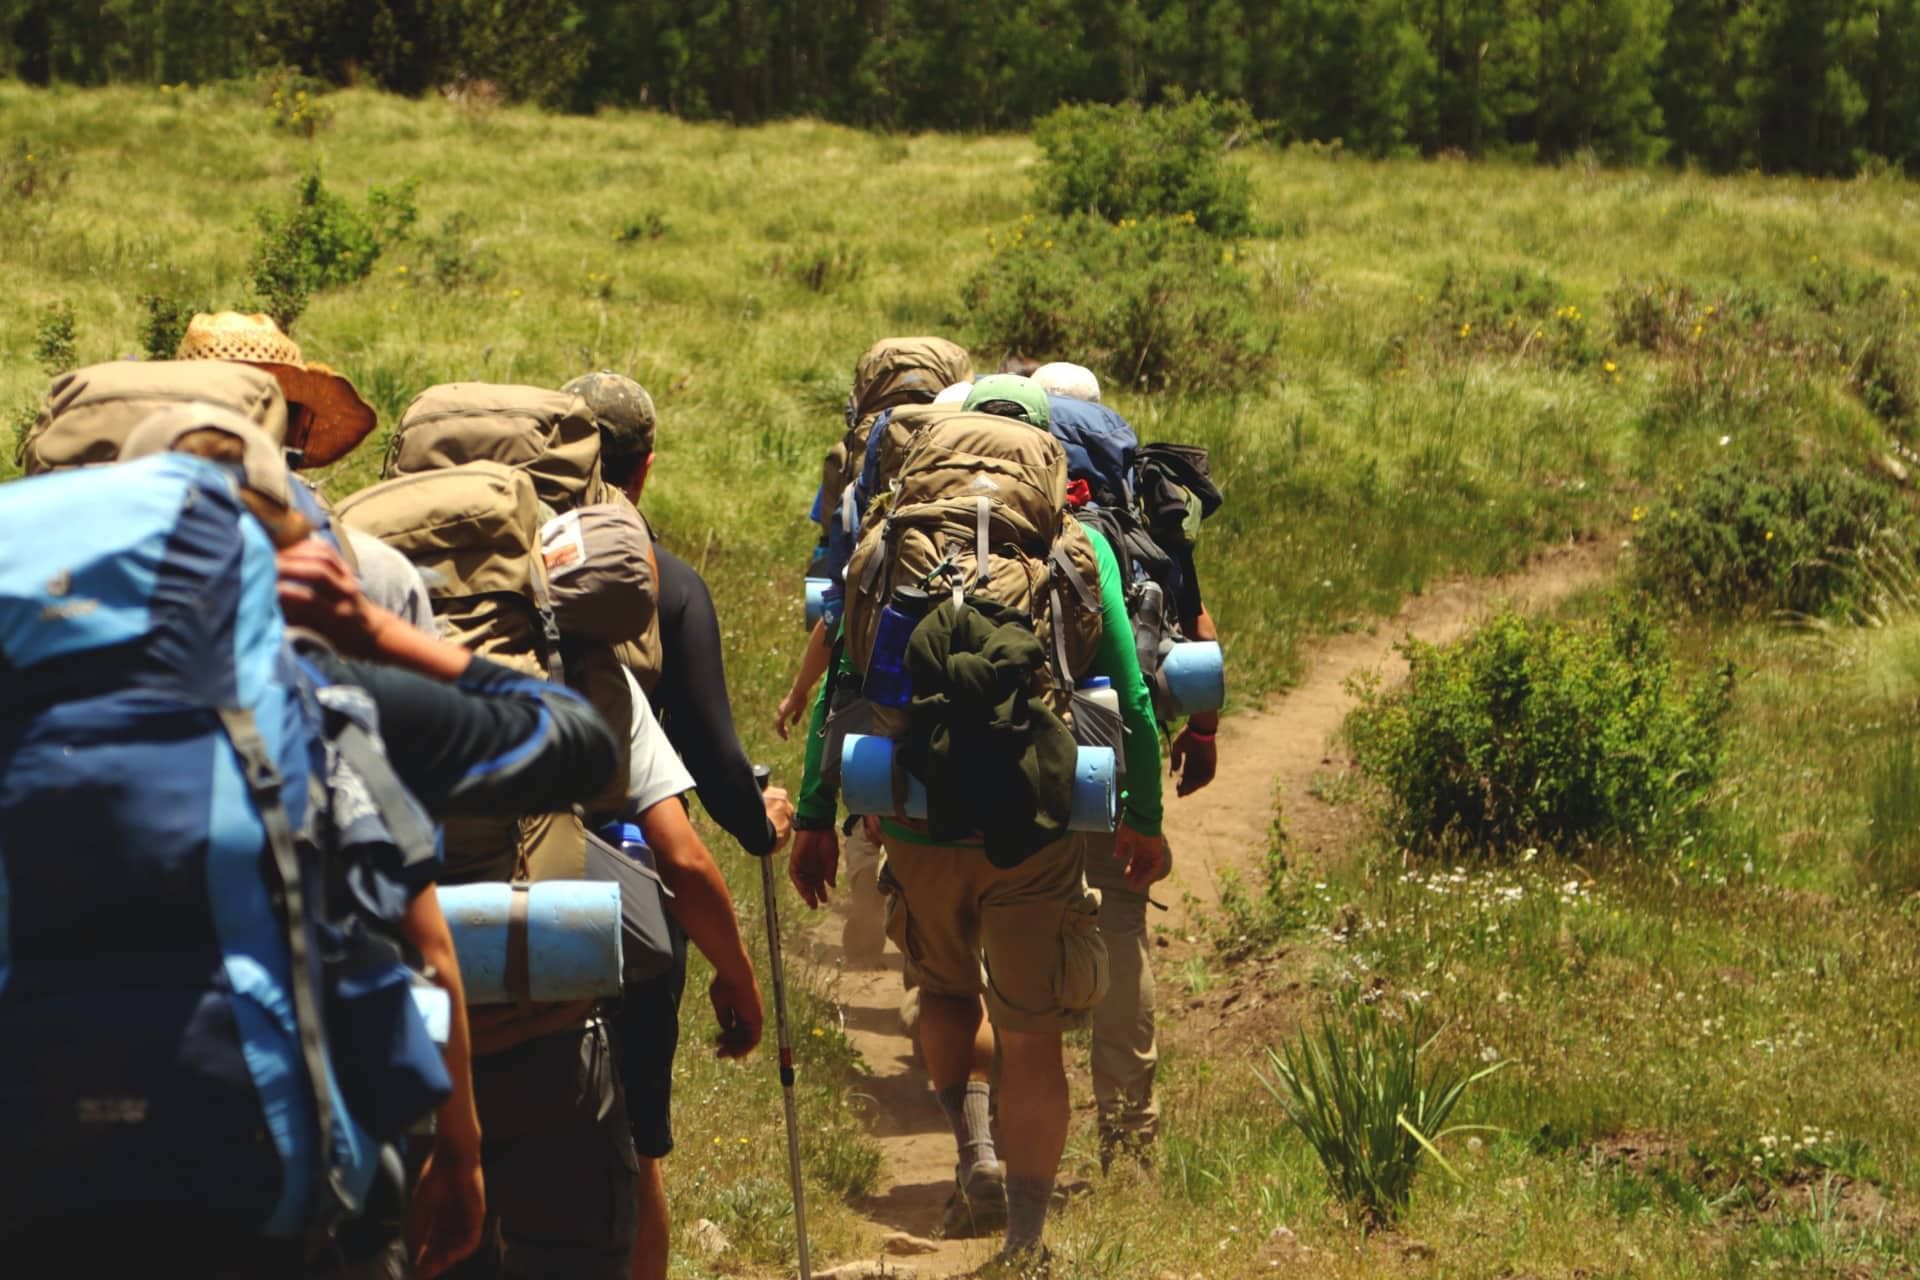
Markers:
(336, 418)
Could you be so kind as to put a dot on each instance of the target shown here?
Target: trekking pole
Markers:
(761, 774)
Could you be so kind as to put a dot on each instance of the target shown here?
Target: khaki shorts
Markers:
(1026, 937)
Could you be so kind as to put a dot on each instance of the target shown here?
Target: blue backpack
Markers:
(1100, 447)
(185, 1027)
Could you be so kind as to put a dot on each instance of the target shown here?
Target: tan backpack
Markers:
(890, 373)
(978, 509)
(89, 412)
(550, 435)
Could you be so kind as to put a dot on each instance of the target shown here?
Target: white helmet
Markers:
(955, 394)
(1073, 380)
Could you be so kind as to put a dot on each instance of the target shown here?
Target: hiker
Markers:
(170, 1157)
(326, 419)
(992, 897)
(891, 373)
(1125, 1053)
(697, 719)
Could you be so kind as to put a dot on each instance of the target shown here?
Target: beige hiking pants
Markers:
(1125, 1054)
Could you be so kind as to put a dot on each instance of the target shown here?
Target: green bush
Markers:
(53, 338)
(1535, 732)
(165, 323)
(1151, 304)
(1136, 162)
(320, 240)
(1746, 540)
(1514, 312)
(1361, 1096)
(454, 256)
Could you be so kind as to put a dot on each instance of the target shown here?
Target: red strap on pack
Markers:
(1079, 493)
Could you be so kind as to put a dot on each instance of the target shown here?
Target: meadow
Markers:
(1711, 1046)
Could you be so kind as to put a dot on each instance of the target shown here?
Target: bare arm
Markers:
(813, 665)
(704, 909)
(449, 1204)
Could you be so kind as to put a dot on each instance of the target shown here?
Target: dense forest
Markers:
(1814, 86)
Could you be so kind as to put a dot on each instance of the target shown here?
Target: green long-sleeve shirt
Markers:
(1115, 659)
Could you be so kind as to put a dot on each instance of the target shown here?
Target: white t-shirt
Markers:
(654, 771)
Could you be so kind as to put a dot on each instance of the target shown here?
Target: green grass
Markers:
(1759, 979)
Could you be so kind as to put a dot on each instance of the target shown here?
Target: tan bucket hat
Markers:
(261, 468)
(336, 418)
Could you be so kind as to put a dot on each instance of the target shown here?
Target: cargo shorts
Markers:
(1026, 937)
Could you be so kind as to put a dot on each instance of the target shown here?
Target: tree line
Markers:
(1808, 86)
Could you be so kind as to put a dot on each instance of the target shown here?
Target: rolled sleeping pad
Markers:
(1194, 676)
(866, 783)
(816, 600)
(572, 939)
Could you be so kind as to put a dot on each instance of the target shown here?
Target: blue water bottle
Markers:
(628, 839)
(888, 682)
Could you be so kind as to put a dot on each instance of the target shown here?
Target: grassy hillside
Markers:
(1473, 360)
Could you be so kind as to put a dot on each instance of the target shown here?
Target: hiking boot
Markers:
(1125, 1144)
(1035, 1262)
(978, 1206)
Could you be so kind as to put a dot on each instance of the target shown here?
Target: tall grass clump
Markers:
(1364, 1092)
(1129, 162)
(1887, 853)
(1533, 732)
(1154, 304)
(1746, 540)
(320, 240)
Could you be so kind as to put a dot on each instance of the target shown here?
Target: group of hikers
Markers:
(265, 753)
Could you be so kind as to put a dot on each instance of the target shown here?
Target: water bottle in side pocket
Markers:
(888, 682)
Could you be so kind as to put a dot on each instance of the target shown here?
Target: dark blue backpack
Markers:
(172, 992)
(1100, 447)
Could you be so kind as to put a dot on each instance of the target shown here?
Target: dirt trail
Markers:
(1266, 756)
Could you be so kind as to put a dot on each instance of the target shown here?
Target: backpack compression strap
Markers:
(263, 785)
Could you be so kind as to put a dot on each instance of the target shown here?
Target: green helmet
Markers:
(1010, 396)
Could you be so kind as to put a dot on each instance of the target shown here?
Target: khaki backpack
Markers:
(550, 435)
(892, 372)
(978, 509)
(89, 412)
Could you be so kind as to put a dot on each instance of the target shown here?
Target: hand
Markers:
(736, 1007)
(319, 592)
(789, 713)
(780, 814)
(1194, 759)
(1145, 859)
(447, 1212)
(814, 865)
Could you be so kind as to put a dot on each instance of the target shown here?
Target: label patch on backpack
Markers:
(105, 1111)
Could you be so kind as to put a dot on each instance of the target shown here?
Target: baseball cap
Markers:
(1064, 379)
(622, 409)
(1011, 396)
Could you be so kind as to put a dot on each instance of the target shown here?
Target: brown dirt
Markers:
(1268, 757)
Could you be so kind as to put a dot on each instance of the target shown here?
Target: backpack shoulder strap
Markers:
(1089, 595)
(263, 785)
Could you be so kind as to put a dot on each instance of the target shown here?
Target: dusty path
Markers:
(1267, 756)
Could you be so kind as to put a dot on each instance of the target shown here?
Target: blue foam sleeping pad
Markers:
(573, 939)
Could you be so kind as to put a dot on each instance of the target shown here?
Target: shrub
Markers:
(1746, 540)
(1152, 304)
(454, 256)
(53, 344)
(320, 240)
(1358, 1092)
(1515, 312)
(1136, 162)
(295, 104)
(165, 324)
(1539, 733)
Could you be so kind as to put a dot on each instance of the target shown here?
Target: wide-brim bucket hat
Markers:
(336, 419)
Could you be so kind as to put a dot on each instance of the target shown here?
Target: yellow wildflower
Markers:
(1610, 366)
(1769, 535)
(1466, 328)
(1639, 514)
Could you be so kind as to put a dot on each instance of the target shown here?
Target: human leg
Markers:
(1125, 1052)
(647, 1035)
(1033, 1110)
(863, 935)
